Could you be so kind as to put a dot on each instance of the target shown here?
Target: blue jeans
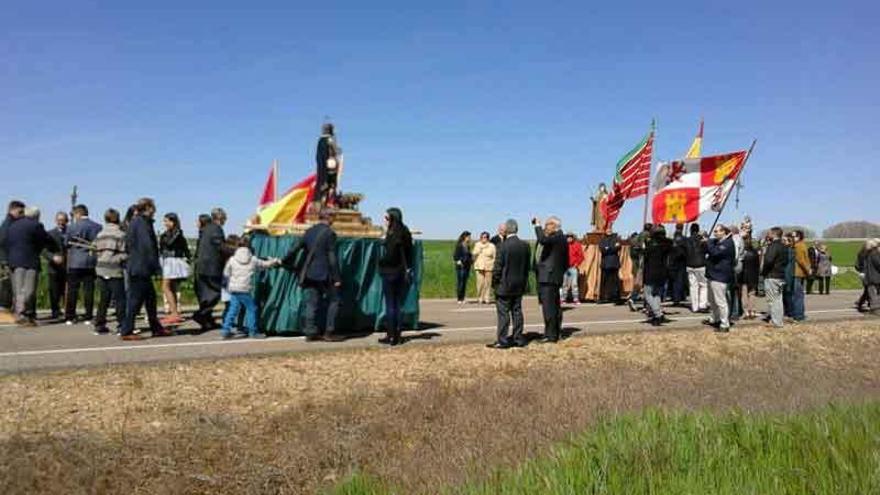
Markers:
(798, 312)
(239, 299)
(394, 288)
(461, 278)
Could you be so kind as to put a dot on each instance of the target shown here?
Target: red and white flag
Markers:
(684, 189)
(632, 178)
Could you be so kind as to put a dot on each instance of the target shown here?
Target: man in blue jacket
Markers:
(81, 261)
(319, 276)
(25, 240)
(13, 213)
(720, 262)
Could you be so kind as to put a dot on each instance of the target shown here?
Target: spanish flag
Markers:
(697, 146)
(292, 206)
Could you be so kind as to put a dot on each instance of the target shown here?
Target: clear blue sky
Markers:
(462, 114)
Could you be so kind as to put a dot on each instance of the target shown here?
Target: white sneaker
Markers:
(87, 322)
(68, 322)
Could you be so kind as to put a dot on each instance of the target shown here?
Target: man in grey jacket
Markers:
(112, 253)
(81, 261)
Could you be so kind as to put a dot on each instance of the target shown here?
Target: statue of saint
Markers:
(329, 160)
(597, 219)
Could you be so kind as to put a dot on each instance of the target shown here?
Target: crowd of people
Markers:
(120, 258)
(719, 274)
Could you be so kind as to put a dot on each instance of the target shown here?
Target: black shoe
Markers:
(314, 338)
(520, 343)
(498, 345)
(332, 337)
(664, 319)
(656, 322)
(710, 323)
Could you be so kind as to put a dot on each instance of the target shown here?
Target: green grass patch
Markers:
(835, 450)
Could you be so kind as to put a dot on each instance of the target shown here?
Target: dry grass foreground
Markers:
(419, 417)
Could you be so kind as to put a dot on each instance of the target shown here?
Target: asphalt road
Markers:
(52, 346)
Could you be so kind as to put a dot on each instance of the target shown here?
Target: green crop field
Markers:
(439, 272)
(829, 451)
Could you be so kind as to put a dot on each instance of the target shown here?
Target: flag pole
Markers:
(741, 170)
(650, 172)
(275, 185)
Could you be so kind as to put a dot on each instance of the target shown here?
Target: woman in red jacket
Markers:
(575, 258)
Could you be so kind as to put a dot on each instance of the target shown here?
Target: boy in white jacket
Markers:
(239, 271)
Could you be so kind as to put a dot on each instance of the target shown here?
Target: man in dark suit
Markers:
(142, 265)
(498, 238)
(57, 272)
(510, 277)
(550, 267)
(318, 275)
(211, 255)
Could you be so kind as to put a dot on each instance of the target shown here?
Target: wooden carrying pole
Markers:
(741, 170)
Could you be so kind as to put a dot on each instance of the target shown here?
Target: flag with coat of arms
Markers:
(684, 189)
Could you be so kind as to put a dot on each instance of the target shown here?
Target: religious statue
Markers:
(597, 219)
(329, 161)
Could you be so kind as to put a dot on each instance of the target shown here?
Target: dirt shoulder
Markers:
(418, 416)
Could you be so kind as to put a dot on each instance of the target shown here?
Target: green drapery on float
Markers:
(362, 306)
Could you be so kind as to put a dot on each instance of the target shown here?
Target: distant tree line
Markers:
(852, 230)
(808, 232)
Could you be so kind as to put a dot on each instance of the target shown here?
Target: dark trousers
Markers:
(394, 288)
(824, 285)
(5, 287)
(76, 278)
(810, 281)
(140, 293)
(678, 283)
(798, 310)
(320, 296)
(461, 280)
(57, 283)
(208, 292)
(111, 289)
(551, 307)
(509, 310)
(864, 298)
(609, 287)
(734, 301)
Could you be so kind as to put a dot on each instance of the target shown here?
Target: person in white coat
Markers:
(484, 260)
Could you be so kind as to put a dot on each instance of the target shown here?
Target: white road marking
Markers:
(289, 339)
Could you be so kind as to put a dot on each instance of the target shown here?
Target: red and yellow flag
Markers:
(292, 206)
